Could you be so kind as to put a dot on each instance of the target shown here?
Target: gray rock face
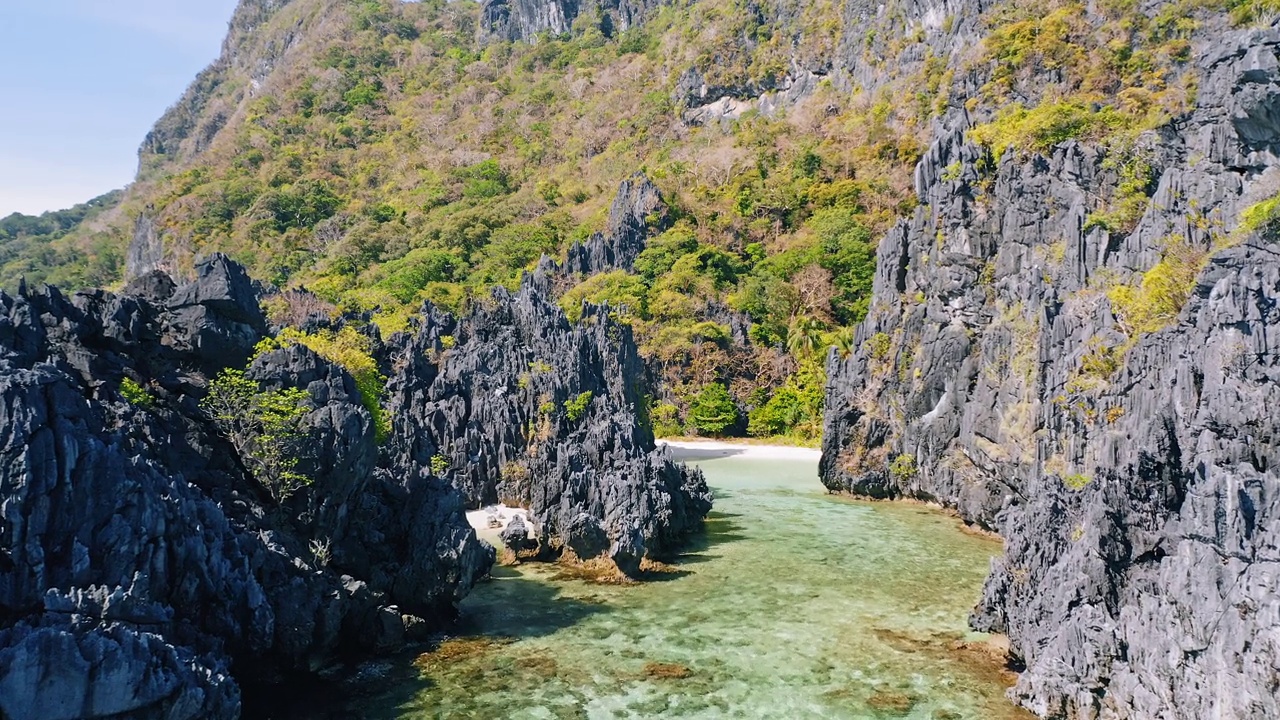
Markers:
(140, 566)
(514, 405)
(188, 127)
(526, 19)
(146, 250)
(637, 213)
(515, 536)
(706, 104)
(1137, 490)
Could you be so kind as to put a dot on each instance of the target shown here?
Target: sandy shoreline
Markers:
(683, 450)
(711, 449)
(503, 514)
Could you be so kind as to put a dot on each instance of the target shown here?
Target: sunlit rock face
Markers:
(1132, 474)
(526, 19)
(523, 408)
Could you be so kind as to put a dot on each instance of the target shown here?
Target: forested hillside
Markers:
(381, 153)
(29, 246)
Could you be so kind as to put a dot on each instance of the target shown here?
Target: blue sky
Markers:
(81, 83)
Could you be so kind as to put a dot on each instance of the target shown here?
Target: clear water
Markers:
(795, 605)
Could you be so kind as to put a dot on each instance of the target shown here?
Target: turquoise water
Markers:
(795, 605)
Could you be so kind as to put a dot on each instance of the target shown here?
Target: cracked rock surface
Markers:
(1134, 479)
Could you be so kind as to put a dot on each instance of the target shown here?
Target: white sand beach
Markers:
(710, 449)
(490, 521)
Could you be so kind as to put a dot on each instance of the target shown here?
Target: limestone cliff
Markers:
(1130, 469)
(526, 19)
(248, 56)
(141, 567)
(523, 408)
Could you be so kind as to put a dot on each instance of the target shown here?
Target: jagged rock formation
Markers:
(526, 19)
(248, 56)
(522, 408)
(638, 212)
(706, 103)
(1135, 486)
(139, 566)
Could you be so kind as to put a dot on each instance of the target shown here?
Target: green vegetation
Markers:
(712, 411)
(666, 420)
(878, 346)
(1165, 288)
(624, 292)
(1262, 217)
(1077, 481)
(903, 468)
(264, 426)
(793, 411)
(351, 349)
(136, 394)
(576, 408)
(1137, 181)
(391, 160)
(1101, 73)
(439, 465)
(1040, 128)
(29, 247)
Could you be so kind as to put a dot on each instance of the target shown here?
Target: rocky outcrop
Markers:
(526, 19)
(638, 213)
(145, 573)
(1133, 476)
(707, 103)
(249, 55)
(140, 566)
(514, 405)
(146, 250)
(1151, 590)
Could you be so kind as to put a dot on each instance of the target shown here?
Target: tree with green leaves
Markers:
(264, 426)
(713, 410)
(804, 337)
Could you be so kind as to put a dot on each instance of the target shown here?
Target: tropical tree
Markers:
(713, 410)
(264, 426)
(804, 336)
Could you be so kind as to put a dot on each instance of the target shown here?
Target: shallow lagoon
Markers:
(796, 604)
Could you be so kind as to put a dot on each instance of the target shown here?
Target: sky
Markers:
(81, 83)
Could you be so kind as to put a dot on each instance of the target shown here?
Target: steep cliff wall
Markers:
(526, 19)
(1006, 370)
(139, 564)
(248, 56)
